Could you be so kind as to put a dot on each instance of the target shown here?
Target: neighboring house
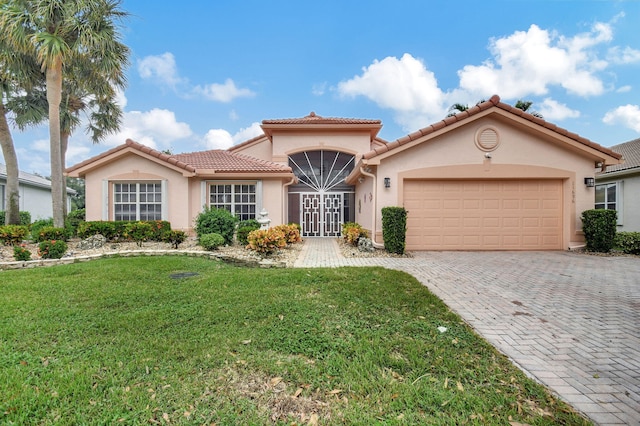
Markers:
(490, 178)
(618, 187)
(35, 194)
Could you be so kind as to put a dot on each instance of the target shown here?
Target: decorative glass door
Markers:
(321, 191)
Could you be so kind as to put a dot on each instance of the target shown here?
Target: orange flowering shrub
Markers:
(291, 233)
(266, 240)
(352, 232)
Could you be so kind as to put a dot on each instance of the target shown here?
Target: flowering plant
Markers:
(21, 253)
(53, 249)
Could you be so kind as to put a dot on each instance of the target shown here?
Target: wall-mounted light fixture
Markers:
(387, 182)
(590, 182)
(360, 179)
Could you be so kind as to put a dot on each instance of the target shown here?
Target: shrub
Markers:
(139, 232)
(53, 249)
(49, 233)
(38, 225)
(352, 232)
(21, 253)
(394, 229)
(25, 218)
(160, 228)
(628, 242)
(266, 241)
(599, 227)
(11, 235)
(216, 221)
(74, 218)
(211, 241)
(175, 238)
(291, 233)
(244, 228)
(106, 229)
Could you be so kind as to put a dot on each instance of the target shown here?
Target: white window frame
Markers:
(618, 203)
(208, 185)
(2, 195)
(111, 201)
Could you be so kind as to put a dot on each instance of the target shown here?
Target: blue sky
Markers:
(204, 74)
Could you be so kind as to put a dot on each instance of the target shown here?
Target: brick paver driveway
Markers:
(570, 320)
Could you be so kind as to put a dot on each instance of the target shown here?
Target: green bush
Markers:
(12, 235)
(21, 253)
(53, 249)
(175, 238)
(211, 241)
(160, 228)
(104, 228)
(74, 218)
(38, 225)
(352, 232)
(628, 242)
(139, 232)
(49, 233)
(599, 227)
(216, 221)
(25, 218)
(244, 228)
(394, 229)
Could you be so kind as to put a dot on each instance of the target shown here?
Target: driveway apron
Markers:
(569, 320)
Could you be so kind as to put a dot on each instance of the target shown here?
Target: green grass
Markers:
(119, 340)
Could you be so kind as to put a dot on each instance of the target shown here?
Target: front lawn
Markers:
(177, 340)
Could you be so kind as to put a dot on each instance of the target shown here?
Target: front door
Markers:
(321, 214)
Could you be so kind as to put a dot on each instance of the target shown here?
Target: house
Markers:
(618, 187)
(490, 178)
(35, 194)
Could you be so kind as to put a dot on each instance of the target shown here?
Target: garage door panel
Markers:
(484, 215)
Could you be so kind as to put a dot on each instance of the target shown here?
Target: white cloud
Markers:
(618, 55)
(528, 63)
(157, 129)
(162, 68)
(404, 85)
(623, 89)
(222, 139)
(319, 89)
(223, 92)
(552, 110)
(626, 115)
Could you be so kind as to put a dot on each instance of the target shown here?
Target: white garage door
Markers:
(484, 215)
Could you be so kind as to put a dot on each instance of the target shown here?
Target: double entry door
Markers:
(321, 213)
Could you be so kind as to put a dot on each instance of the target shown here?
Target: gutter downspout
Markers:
(375, 208)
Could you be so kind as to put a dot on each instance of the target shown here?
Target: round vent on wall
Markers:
(487, 139)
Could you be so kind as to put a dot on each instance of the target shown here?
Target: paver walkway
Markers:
(571, 321)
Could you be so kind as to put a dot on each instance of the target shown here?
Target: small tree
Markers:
(599, 227)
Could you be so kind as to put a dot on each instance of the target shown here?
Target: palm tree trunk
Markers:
(54, 96)
(12, 192)
(64, 143)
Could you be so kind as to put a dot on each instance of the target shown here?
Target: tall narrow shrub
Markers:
(394, 229)
(599, 227)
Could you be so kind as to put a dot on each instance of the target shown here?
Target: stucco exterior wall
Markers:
(629, 207)
(286, 143)
(518, 155)
(260, 149)
(133, 168)
(365, 199)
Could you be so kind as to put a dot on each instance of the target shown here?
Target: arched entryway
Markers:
(321, 201)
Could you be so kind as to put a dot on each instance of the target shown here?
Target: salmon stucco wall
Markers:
(133, 168)
(520, 154)
(287, 143)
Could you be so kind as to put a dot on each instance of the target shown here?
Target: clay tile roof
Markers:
(229, 162)
(630, 152)
(494, 101)
(313, 118)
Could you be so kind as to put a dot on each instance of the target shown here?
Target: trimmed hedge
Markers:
(599, 227)
(244, 228)
(628, 242)
(216, 221)
(116, 230)
(394, 229)
(211, 241)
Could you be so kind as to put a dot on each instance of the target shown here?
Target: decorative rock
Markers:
(93, 242)
(365, 245)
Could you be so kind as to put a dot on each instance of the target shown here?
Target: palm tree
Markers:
(456, 109)
(18, 73)
(59, 33)
(525, 105)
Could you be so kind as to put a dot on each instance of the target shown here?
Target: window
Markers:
(137, 201)
(2, 198)
(607, 196)
(239, 199)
